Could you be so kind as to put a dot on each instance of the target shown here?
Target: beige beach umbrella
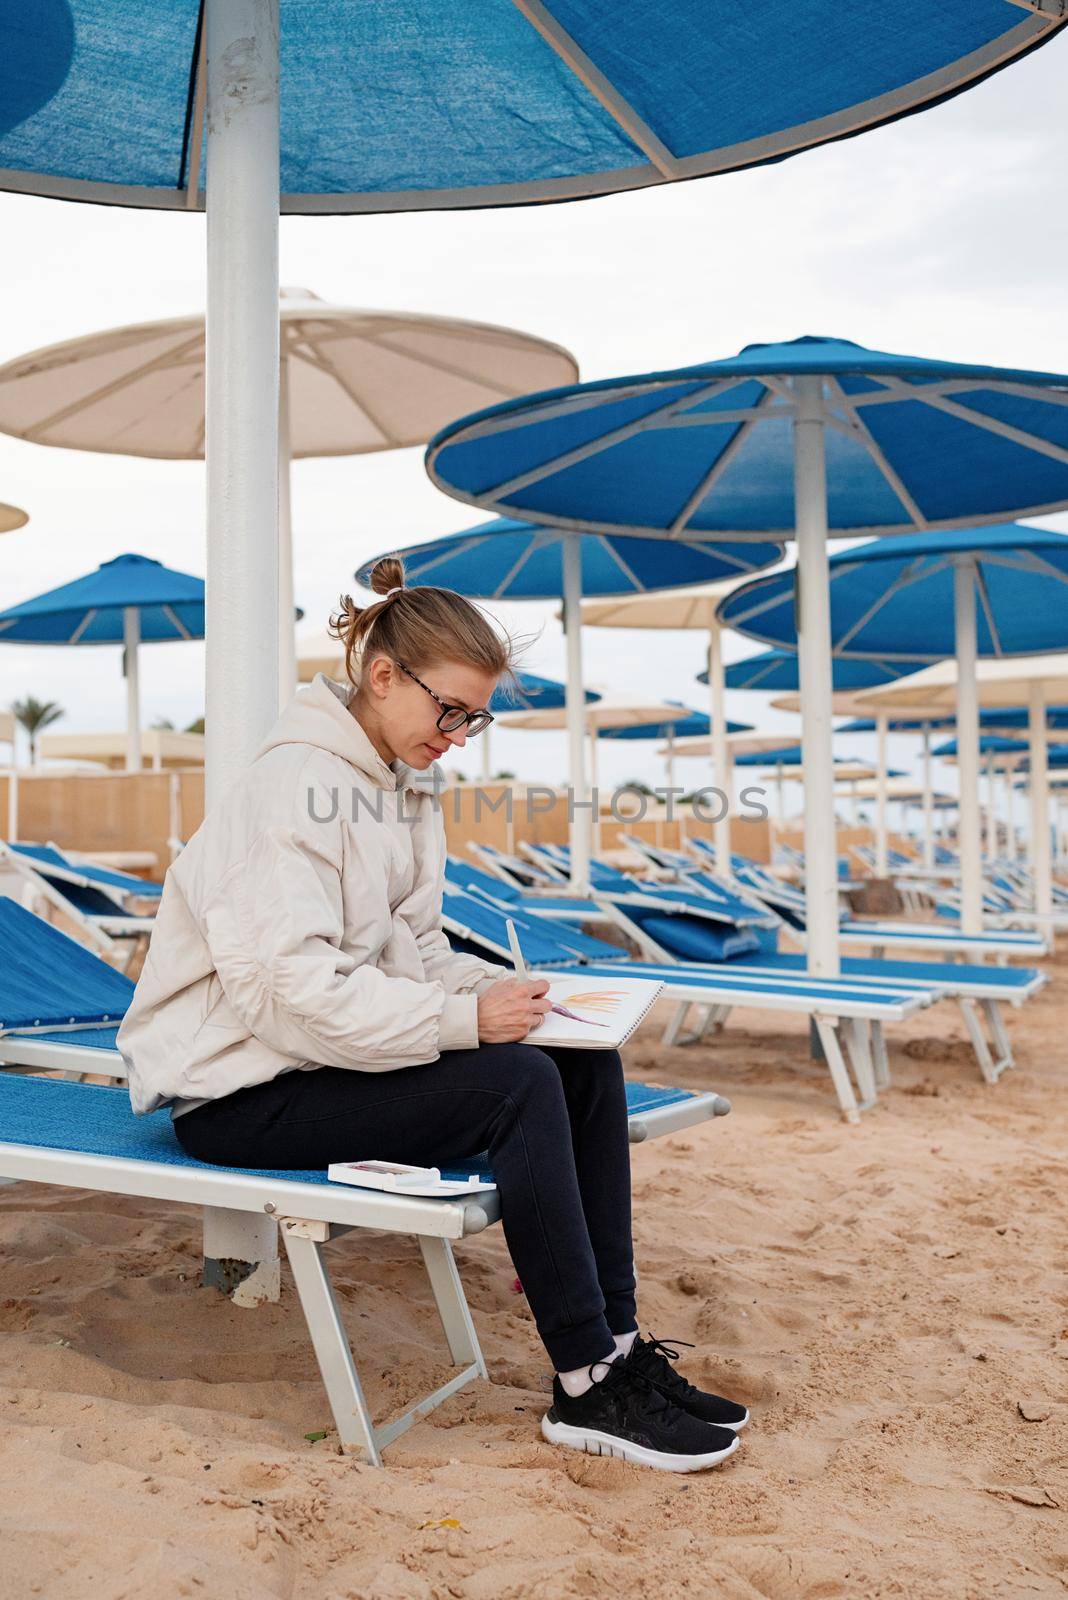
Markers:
(353, 382)
(12, 517)
(162, 749)
(685, 609)
(320, 652)
(1031, 681)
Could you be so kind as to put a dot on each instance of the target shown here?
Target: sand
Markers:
(889, 1299)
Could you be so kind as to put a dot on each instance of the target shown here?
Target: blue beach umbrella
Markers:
(777, 671)
(988, 591)
(410, 106)
(509, 560)
(131, 601)
(815, 438)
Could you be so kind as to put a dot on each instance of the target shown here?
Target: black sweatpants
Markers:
(554, 1123)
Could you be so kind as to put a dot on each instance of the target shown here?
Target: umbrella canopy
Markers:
(504, 559)
(895, 597)
(1031, 681)
(92, 609)
(707, 449)
(12, 517)
(162, 749)
(990, 744)
(357, 381)
(817, 437)
(773, 670)
(320, 652)
(687, 609)
(403, 108)
(986, 591)
(131, 600)
(508, 560)
(352, 382)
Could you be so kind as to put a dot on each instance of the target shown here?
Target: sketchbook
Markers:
(594, 1013)
(397, 1177)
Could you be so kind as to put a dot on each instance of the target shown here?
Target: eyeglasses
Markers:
(452, 718)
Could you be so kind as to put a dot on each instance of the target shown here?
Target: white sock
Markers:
(624, 1341)
(580, 1379)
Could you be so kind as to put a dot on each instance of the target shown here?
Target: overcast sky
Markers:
(942, 235)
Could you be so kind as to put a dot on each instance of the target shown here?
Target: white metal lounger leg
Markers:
(989, 1066)
(340, 1378)
(451, 1302)
(978, 1038)
(675, 1022)
(858, 1045)
(1000, 1035)
(880, 1059)
(355, 1427)
(832, 1050)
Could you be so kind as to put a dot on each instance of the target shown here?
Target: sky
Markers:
(941, 235)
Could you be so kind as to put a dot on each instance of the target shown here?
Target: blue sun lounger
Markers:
(848, 1017)
(58, 1005)
(979, 990)
(46, 876)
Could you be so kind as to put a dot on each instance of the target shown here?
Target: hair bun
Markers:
(387, 575)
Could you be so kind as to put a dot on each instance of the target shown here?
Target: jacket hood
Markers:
(318, 715)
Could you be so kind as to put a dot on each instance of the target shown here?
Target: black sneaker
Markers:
(653, 1358)
(625, 1416)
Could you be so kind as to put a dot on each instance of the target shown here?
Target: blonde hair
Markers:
(419, 626)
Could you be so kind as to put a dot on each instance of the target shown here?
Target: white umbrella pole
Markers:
(669, 761)
(814, 663)
(287, 610)
(484, 739)
(928, 801)
(721, 830)
(596, 825)
(882, 841)
(969, 837)
(131, 635)
(1041, 865)
(991, 808)
(241, 449)
(1010, 811)
(780, 791)
(580, 830)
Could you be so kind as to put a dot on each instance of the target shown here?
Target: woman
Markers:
(300, 1004)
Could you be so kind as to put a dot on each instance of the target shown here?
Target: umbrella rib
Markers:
(593, 447)
(326, 365)
(602, 89)
(1054, 395)
(876, 453)
(988, 610)
(535, 542)
(912, 574)
(191, 155)
(106, 390)
(83, 624)
(1004, 430)
(703, 547)
(623, 566)
(435, 364)
(176, 621)
(471, 543)
(719, 466)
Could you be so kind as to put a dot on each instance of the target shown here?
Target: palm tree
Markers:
(33, 715)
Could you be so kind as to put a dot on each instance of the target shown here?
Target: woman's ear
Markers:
(379, 676)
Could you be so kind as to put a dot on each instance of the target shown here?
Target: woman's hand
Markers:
(510, 1008)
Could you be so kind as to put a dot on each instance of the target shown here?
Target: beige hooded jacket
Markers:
(301, 925)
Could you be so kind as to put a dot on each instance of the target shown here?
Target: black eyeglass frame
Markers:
(468, 719)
